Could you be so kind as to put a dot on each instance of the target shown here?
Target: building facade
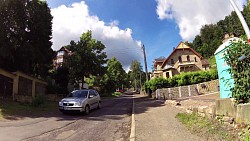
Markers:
(182, 59)
(61, 57)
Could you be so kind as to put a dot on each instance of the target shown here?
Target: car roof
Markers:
(83, 90)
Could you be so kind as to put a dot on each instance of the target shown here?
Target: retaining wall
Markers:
(186, 91)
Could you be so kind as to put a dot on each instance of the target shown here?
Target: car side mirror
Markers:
(91, 96)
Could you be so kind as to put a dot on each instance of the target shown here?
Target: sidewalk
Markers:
(29, 127)
(156, 121)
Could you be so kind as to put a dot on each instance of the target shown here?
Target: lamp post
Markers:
(242, 20)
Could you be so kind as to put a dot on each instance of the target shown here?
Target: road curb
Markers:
(132, 133)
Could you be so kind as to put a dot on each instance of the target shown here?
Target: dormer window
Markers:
(60, 53)
(195, 59)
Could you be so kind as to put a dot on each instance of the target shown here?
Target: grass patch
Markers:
(11, 109)
(211, 130)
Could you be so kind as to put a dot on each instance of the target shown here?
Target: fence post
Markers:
(189, 91)
(180, 91)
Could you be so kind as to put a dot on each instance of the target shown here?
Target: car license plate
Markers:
(67, 108)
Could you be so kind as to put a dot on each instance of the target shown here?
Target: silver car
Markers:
(80, 101)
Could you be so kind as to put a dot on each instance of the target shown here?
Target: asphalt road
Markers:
(111, 122)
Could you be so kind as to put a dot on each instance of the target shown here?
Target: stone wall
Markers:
(186, 91)
(226, 110)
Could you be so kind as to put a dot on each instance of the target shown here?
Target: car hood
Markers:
(73, 99)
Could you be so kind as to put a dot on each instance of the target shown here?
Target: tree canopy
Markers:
(87, 58)
(136, 74)
(25, 33)
(115, 72)
(211, 36)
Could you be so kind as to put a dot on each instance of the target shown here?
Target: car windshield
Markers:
(78, 94)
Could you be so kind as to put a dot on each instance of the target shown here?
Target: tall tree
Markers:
(115, 72)
(135, 74)
(87, 59)
(25, 33)
(211, 36)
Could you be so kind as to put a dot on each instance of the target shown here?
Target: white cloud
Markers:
(190, 15)
(70, 22)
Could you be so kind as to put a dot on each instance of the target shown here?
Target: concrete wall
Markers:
(186, 91)
(243, 113)
(225, 110)
(22, 91)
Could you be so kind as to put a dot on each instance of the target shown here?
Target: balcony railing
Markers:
(185, 63)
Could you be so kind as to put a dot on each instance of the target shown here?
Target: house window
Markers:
(59, 60)
(188, 58)
(60, 53)
(195, 59)
(180, 60)
(172, 61)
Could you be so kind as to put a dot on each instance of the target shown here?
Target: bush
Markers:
(183, 79)
(240, 70)
(38, 101)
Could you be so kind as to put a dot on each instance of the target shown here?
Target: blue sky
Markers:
(123, 25)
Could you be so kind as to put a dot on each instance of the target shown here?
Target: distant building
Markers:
(182, 59)
(61, 57)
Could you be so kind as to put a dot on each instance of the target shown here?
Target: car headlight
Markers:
(78, 103)
(60, 103)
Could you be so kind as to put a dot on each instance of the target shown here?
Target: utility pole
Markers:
(145, 61)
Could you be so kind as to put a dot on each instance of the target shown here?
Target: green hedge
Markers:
(183, 79)
(240, 69)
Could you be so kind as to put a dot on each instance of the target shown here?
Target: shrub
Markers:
(240, 69)
(181, 80)
(38, 101)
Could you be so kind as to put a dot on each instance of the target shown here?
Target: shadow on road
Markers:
(115, 109)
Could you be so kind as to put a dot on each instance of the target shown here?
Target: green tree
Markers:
(135, 74)
(211, 35)
(25, 33)
(87, 59)
(115, 72)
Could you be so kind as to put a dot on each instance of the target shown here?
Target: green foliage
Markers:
(87, 59)
(115, 77)
(25, 33)
(156, 83)
(116, 94)
(136, 75)
(116, 73)
(38, 101)
(61, 76)
(245, 134)
(211, 35)
(183, 79)
(212, 62)
(240, 69)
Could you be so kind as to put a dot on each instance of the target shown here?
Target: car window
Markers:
(78, 94)
(96, 92)
(92, 93)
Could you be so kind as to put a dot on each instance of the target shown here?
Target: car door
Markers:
(92, 99)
